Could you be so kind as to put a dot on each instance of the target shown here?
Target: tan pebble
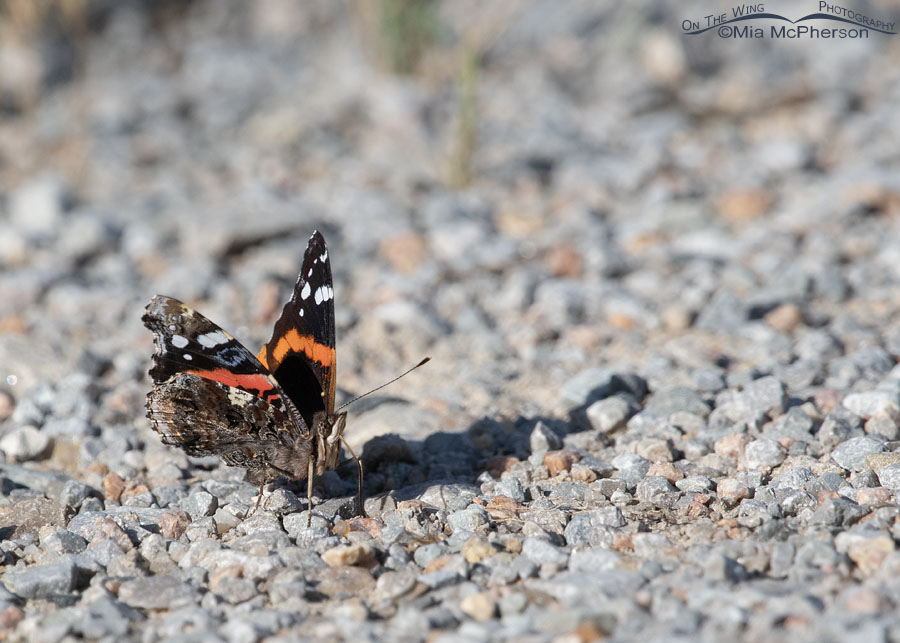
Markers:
(480, 607)
(477, 548)
(564, 260)
(869, 553)
(228, 571)
(731, 491)
(743, 204)
(785, 317)
(173, 523)
(874, 496)
(732, 446)
(863, 600)
(499, 464)
(667, 470)
(347, 555)
(113, 486)
(559, 461)
(438, 563)
(827, 400)
(7, 404)
(405, 252)
(876, 461)
(10, 617)
(582, 473)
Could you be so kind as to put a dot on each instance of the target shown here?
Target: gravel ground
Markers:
(657, 275)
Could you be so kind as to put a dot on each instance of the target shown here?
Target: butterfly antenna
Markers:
(378, 388)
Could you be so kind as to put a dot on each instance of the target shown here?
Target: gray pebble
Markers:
(543, 552)
(43, 581)
(653, 488)
(543, 439)
(889, 476)
(199, 504)
(851, 454)
(157, 592)
(764, 453)
(677, 399)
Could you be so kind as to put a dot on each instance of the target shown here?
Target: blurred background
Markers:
(520, 189)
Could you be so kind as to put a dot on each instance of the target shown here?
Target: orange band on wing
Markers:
(248, 381)
(293, 341)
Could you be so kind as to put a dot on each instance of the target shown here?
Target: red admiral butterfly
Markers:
(272, 414)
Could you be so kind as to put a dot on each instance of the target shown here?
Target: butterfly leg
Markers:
(309, 488)
(359, 495)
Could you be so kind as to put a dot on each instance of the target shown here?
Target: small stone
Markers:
(541, 551)
(356, 554)
(173, 523)
(43, 581)
(889, 476)
(200, 504)
(718, 567)
(874, 496)
(477, 548)
(582, 473)
(559, 461)
(30, 516)
(732, 446)
(594, 560)
(763, 454)
(611, 413)
(113, 486)
(63, 541)
(653, 488)
(667, 470)
(876, 461)
(731, 491)
(784, 318)
(543, 439)
(473, 518)
(655, 450)
(870, 403)
(851, 454)
(157, 592)
(25, 443)
(869, 553)
(427, 553)
(597, 383)
(74, 493)
(7, 405)
(283, 501)
(480, 607)
(236, 590)
(677, 399)
(695, 484)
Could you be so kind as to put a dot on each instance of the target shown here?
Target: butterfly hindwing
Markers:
(301, 354)
(206, 417)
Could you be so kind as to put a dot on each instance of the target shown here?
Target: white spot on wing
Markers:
(301, 312)
(304, 293)
(324, 256)
(187, 357)
(216, 337)
(178, 341)
(324, 293)
(309, 274)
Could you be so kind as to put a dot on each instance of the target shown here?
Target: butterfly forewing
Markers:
(301, 353)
